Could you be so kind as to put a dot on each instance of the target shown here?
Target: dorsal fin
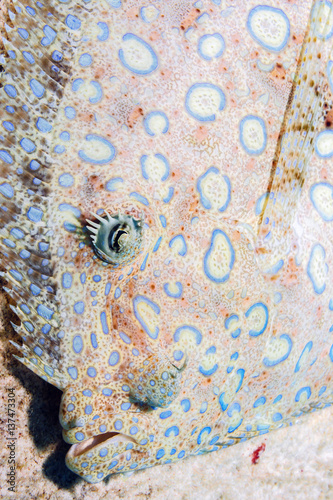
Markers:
(37, 68)
(296, 144)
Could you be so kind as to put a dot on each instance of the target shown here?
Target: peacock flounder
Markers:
(166, 219)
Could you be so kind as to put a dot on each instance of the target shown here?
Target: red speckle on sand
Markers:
(256, 453)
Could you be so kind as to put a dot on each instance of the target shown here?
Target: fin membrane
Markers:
(39, 50)
(296, 143)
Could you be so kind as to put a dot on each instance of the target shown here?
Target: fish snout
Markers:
(95, 458)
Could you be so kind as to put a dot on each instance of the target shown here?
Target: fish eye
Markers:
(117, 238)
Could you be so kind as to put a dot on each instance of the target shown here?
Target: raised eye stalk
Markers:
(116, 238)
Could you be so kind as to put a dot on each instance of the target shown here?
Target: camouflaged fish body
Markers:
(170, 272)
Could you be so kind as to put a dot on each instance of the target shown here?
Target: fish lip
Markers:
(87, 445)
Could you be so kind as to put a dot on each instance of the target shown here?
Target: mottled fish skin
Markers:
(166, 219)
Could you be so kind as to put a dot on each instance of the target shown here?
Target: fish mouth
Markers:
(89, 444)
(104, 454)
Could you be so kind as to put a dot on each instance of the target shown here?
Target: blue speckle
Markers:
(299, 393)
(67, 280)
(140, 198)
(44, 311)
(85, 60)
(105, 327)
(160, 454)
(118, 425)
(7, 190)
(114, 358)
(65, 136)
(205, 429)
(198, 92)
(72, 371)
(66, 180)
(103, 452)
(93, 340)
(50, 35)
(186, 405)
(259, 401)
(27, 145)
(145, 46)
(73, 22)
(57, 56)
(165, 414)
(79, 307)
(91, 371)
(10, 91)
(77, 344)
(262, 8)
(70, 112)
(125, 338)
(100, 161)
(43, 126)
(105, 31)
(37, 88)
(88, 410)
(38, 351)
(8, 126)
(111, 184)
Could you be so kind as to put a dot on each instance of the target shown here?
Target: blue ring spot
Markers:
(208, 430)
(37, 88)
(175, 295)
(217, 37)
(155, 308)
(195, 90)
(258, 305)
(267, 8)
(129, 37)
(104, 35)
(155, 114)
(70, 112)
(305, 390)
(231, 262)
(88, 409)
(174, 430)
(261, 123)
(267, 362)
(205, 201)
(104, 161)
(196, 333)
